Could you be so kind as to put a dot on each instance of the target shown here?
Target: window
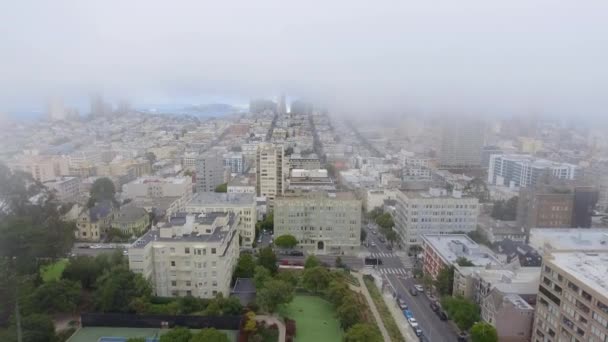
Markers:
(187, 250)
(213, 263)
(213, 250)
(188, 283)
(172, 250)
(173, 283)
(172, 263)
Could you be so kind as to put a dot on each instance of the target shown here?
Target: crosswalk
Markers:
(389, 270)
(383, 255)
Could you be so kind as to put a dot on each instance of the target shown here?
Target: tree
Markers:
(349, 314)
(444, 282)
(137, 339)
(54, 297)
(483, 332)
(316, 279)
(505, 211)
(268, 259)
(427, 281)
(338, 292)
(274, 293)
(286, 241)
(245, 267)
(391, 236)
(462, 311)
(178, 334)
(288, 276)
(189, 304)
(222, 188)
(289, 150)
(101, 190)
(268, 223)
(151, 157)
(261, 276)
(339, 263)
(363, 234)
(210, 335)
(118, 288)
(385, 221)
(479, 237)
(311, 262)
(250, 325)
(37, 328)
(362, 332)
(462, 261)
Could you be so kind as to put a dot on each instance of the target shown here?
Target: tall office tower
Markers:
(461, 142)
(209, 172)
(270, 165)
(282, 105)
(99, 107)
(572, 302)
(545, 207)
(57, 110)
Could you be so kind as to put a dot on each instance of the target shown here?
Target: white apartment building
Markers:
(270, 168)
(241, 185)
(158, 187)
(42, 167)
(306, 162)
(375, 198)
(524, 170)
(189, 161)
(321, 223)
(189, 255)
(209, 172)
(243, 204)
(572, 302)
(234, 161)
(65, 188)
(302, 180)
(434, 212)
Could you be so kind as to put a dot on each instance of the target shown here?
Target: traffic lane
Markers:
(431, 325)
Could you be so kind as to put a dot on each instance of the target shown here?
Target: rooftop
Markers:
(218, 198)
(544, 239)
(507, 278)
(152, 179)
(589, 268)
(535, 162)
(450, 247)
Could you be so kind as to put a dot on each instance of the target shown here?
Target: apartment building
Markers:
(243, 204)
(305, 162)
(154, 187)
(322, 223)
(43, 168)
(234, 161)
(545, 207)
(461, 142)
(241, 184)
(131, 220)
(525, 170)
(189, 255)
(444, 250)
(209, 172)
(434, 212)
(93, 222)
(270, 165)
(374, 198)
(510, 314)
(65, 188)
(572, 302)
(301, 180)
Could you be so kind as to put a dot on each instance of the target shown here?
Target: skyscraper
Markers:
(209, 172)
(461, 143)
(270, 165)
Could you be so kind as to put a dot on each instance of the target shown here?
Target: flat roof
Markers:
(590, 268)
(450, 247)
(152, 179)
(544, 239)
(219, 198)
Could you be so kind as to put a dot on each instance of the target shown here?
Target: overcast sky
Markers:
(487, 57)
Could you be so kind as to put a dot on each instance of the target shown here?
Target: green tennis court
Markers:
(315, 319)
(93, 334)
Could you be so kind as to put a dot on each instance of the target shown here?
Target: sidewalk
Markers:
(270, 320)
(370, 302)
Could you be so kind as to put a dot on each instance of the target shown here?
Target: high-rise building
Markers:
(234, 161)
(585, 200)
(209, 172)
(596, 175)
(434, 212)
(461, 142)
(282, 105)
(572, 303)
(270, 168)
(189, 255)
(524, 170)
(322, 223)
(545, 207)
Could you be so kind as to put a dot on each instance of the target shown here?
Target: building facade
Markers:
(433, 212)
(545, 207)
(243, 204)
(461, 142)
(131, 220)
(270, 165)
(304, 162)
(321, 224)
(524, 170)
(189, 255)
(65, 188)
(154, 187)
(234, 161)
(93, 222)
(209, 172)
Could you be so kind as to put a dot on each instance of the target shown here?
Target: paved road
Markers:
(79, 249)
(396, 269)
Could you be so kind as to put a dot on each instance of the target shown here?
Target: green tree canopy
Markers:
(102, 190)
(118, 288)
(505, 211)
(245, 267)
(286, 241)
(349, 314)
(273, 294)
(137, 339)
(462, 311)
(385, 221)
(363, 235)
(267, 259)
(316, 279)
(483, 332)
(311, 262)
(178, 334)
(210, 335)
(52, 297)
(222, 188)
(444, 283)
(462, 261)
(362, 332)
(261, 276)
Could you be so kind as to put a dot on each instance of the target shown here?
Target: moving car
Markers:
(413, 291)
(373, 244)
(419, 288)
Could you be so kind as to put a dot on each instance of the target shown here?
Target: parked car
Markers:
(418, 332)
(401, 304)
(382, 239)
(413, 291)
(442, 315)
(296, 253)
(462, 337)
(434, 307)
(408, 314)
(413, 322)
(373, 244)
(419, 288)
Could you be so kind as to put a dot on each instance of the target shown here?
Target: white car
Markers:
(413, 322)
(419, 288)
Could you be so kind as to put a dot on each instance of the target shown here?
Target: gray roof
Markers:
(219, 198)
(130, 213)
(100, 210)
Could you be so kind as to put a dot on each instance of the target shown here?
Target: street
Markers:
(396, 268)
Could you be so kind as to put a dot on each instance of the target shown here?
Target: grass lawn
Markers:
(315, 320)
(385, 314)
(53, 271)
(92, 334)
